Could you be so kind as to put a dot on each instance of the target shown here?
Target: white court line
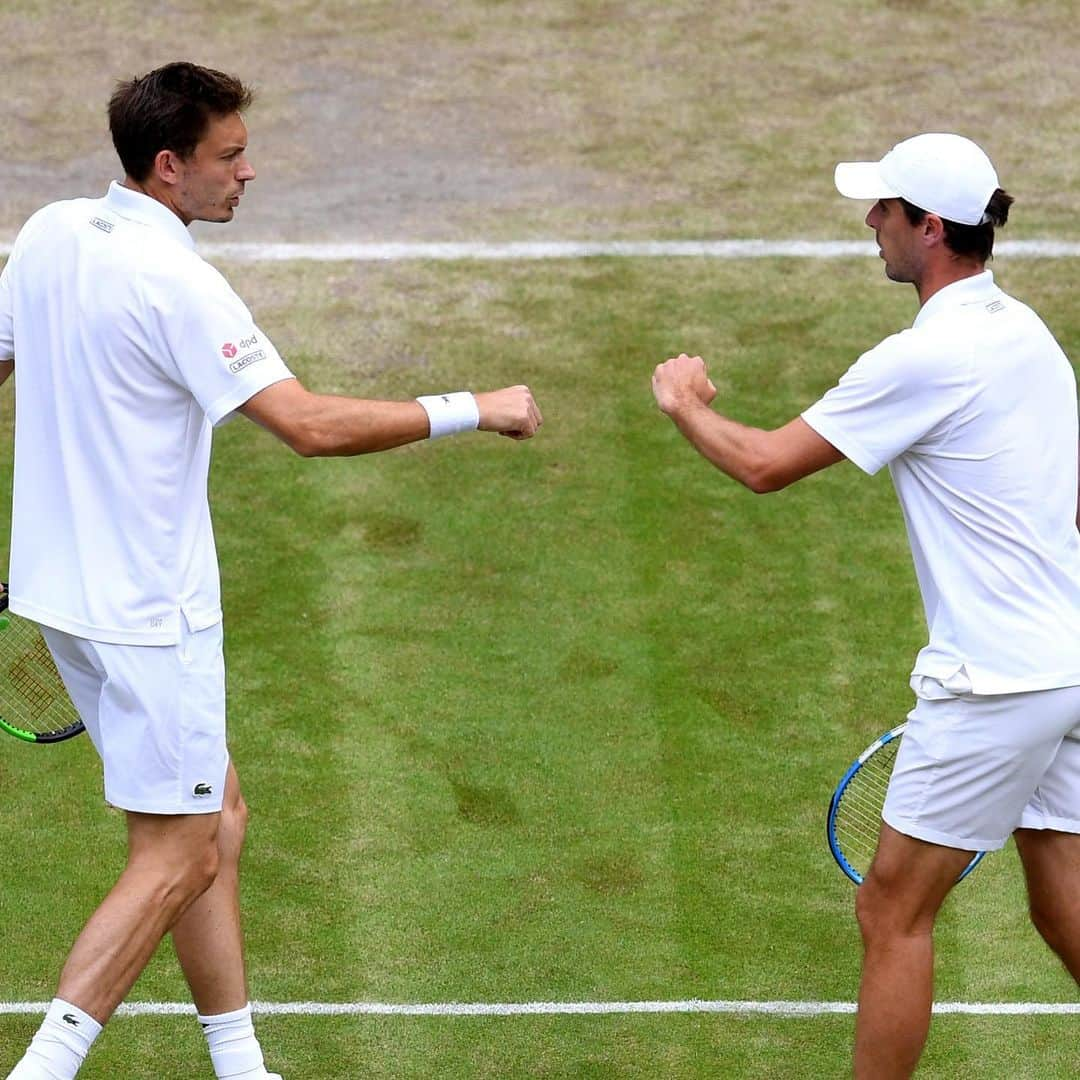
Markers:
(557, 249)
(563, 1008)
(528, 251)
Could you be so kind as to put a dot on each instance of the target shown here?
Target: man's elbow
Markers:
(305, 448)
(766, 486)
(312, 442)
(305, 438)
(766, 477)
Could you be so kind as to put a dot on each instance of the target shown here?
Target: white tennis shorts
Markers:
(971, 769)
(156, 714)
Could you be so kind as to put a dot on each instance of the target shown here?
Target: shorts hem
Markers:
(1049, 823)
(934, 836)
(135, 806)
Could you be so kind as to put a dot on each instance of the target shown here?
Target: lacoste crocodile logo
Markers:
(202, 790)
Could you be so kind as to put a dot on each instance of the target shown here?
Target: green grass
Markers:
(588, 1048)
(550, 721)
(559, 720)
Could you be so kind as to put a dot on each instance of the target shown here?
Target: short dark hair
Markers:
(169, 109)
(974, 240)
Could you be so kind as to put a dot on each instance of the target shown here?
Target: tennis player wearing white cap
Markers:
(973, 409)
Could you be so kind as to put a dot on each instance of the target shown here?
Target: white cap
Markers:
(946, 175)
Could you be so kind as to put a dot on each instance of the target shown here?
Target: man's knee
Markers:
(887, 907)
(234, 816)
(1052, 866)
(201, 870)
(176, 858)
(1046, 919)
(234, 821)
(905, 886)
(873, 911)
(176, 879)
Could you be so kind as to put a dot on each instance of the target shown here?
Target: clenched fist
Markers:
(680, 381)
(511, 411)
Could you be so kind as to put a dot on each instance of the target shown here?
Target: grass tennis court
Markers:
(555, 721)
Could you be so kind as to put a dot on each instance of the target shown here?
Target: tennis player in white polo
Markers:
(130, 348)
(974, 412)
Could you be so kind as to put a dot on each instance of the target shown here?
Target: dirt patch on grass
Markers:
(478, 118)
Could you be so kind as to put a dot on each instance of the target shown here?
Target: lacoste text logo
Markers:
(228, 350)
(251, 358)
(202, 790)
(102, 224)
(69, 1019)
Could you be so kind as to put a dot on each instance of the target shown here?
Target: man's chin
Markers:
(219, 217)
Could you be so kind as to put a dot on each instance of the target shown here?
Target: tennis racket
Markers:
(34, 706)
(855, 810)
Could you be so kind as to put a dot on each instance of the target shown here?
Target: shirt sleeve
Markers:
(219, 353)
(34, 225)
(898, 396)
(7, 321)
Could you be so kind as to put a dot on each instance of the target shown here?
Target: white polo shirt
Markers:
(974, 411)
(128, 347)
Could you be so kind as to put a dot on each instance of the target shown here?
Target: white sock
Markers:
(234, 1050)
(60, 1045)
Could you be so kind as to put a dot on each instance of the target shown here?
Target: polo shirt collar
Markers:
(135, 206)
(977, 289)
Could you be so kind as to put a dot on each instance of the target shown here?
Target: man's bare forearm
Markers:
(761, 460)
(735, 449)
(325, 425)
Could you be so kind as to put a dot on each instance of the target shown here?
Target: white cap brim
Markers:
(862, 180)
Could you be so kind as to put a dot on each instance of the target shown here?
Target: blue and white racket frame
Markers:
(834, 806)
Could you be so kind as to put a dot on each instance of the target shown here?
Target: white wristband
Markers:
(449, 414)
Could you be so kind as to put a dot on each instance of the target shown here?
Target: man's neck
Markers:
(154, 192)
(945, 273)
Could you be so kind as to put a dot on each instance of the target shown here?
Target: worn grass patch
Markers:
(607, 119)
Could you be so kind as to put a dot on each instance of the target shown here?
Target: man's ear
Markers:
(167, 166)
(933, 230)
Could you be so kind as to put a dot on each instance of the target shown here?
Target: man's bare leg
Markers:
(209, 945)
(1052, 867)
(896, 907)
(207, 937)
(172, 859)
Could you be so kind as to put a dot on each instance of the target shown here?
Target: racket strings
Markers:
(858, 813)
(32, 695)
(29, 676)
